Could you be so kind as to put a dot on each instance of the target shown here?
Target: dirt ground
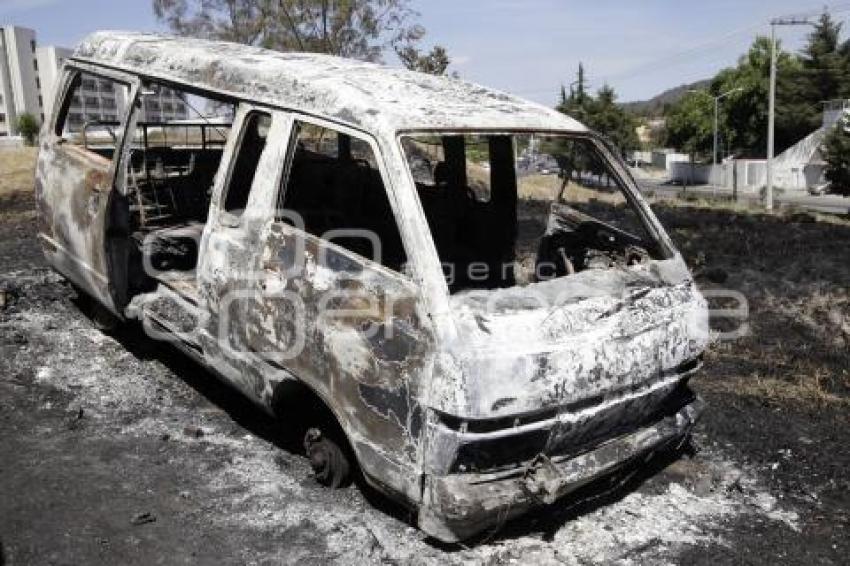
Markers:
(117, 450)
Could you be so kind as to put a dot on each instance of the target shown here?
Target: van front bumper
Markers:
(458, 506)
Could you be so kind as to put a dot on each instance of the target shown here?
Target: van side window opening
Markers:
(507, 210)
(90, 113)
(174, 156)
(251, 146)
(478, 167)
(334, 183)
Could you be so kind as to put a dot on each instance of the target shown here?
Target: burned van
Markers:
(468, 283)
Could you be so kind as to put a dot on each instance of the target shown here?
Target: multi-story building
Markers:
(29, 76)
(20, 87)
(50, 59)
(164, 106)
(95, 100)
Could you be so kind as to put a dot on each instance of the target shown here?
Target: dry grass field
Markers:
(17, 169)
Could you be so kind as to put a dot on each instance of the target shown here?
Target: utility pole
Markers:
(771, 106)
(716, 126)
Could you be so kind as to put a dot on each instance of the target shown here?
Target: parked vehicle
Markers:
(485, 342)
(819, 189)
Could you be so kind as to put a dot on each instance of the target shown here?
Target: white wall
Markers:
(641, 156)
(11, 141)
(664, 158)
(683, 171)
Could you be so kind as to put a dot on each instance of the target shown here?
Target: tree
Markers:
(27, 126)
(836, 153)
(601, 114)
(580, 92)
(359, 29)
(690, 124)
(609, 119)
(436, 62)
(576, 104)
(744, 114)
(823, 62)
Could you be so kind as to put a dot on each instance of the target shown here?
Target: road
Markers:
(832, 204)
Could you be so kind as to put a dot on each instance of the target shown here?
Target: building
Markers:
(30, 75)
(801, 167)
(165, 105)
(95, 100)
(648, 131)
(664, 158)
(50, 60)
(20, 87)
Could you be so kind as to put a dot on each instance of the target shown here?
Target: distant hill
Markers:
(655, 105)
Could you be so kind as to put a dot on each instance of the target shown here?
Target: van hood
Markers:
(593, 335)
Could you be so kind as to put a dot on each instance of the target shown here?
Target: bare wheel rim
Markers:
(329, 462)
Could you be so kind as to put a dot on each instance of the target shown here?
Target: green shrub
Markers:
(28, 127)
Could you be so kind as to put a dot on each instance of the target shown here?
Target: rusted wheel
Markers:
(327, 458)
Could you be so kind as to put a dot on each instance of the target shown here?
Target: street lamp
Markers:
(717, 112)
(768, 192)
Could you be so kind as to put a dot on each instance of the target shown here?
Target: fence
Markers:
(13, 141)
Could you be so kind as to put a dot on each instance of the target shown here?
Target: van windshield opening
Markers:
(509, 210)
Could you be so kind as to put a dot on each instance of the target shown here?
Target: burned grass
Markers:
(794, 272)
(777, 415)
(779, 397)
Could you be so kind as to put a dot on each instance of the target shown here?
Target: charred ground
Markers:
(114, 449)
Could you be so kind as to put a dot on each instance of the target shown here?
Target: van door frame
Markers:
(387, 444)
(226, 258)
(99, 285)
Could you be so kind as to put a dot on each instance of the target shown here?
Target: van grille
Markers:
(570, 439)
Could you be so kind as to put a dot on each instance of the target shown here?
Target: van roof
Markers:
(365, 95)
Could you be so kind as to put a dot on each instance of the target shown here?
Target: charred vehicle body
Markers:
(470, 283)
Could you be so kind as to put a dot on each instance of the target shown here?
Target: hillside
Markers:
(655, 105)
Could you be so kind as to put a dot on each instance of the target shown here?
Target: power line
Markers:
(832, 9)
(700, 48)
(693, 50)
(648, 65)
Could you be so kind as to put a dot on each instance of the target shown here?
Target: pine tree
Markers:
(836, 153)
(601, 113)
(576, 105)
(581, 92)
(607, 118)
(823, 62)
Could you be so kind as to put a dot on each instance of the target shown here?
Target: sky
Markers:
(526, 47)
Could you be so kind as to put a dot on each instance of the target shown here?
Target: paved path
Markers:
(833, 204)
